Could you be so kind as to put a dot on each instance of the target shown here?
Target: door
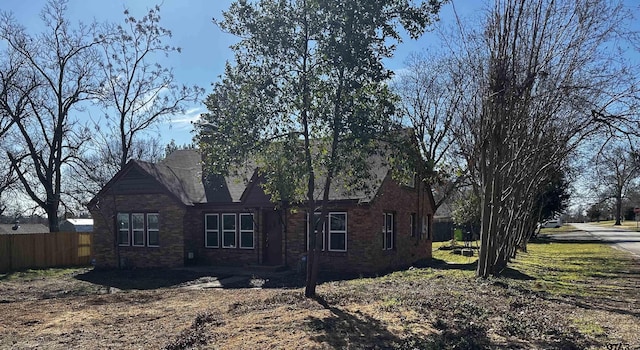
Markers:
(272, 238)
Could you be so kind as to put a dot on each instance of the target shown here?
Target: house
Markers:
(76, 225)
(18, 228)
(167, 215)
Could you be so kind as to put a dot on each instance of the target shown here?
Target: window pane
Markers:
(229, 238)
(154, 238)
(246, 222)
(338, 241)
(123, 228)
(338, 222)
(152, 221)
(123, 237)
(229, 221)
(389, 222)
(211, 222)
(123, 221)
(212, 239)
(316, 222)
(246, 240)
(389, 240)
(137, 221)
(138, 237)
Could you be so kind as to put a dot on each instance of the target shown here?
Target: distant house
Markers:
(166, 215)
(76, 225)
(18, 228)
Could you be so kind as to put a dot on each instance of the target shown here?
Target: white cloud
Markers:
(189, 116)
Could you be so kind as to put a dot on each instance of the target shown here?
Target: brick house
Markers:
(166, 215)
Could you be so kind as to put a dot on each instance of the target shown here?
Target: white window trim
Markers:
(208, 231)
(426, 227)
(156, 230)
(133, 231)
(337, 231)
(252, 231)
(235, 230)
(128, 230)
(386, 231)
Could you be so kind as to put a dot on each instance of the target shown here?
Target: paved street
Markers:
(627, 240)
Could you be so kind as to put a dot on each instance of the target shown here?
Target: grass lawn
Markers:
(555, 296)
(627, 224)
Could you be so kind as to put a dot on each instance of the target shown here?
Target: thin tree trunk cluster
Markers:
(541, 74)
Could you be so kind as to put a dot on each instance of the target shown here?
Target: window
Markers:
(338, 232)
(388, 231)
(123, 229)
(336, 237)
(426, 226)
(314, 226)
(211, 231)
(411, 181)
(246, 231)
(138, 229)
(228, 230)
(153, 230)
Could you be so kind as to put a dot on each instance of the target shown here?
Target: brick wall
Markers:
(108, 254)
(182, 232)
(364, 233)
(195, 239)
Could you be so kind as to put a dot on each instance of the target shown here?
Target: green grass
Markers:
(589, 327)
(563, 228)
(450, 257)
(570, 269)
(566, 269)
(627, 224)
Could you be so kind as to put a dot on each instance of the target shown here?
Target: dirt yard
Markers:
(437, 306)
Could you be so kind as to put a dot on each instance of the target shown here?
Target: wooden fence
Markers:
(40, 250)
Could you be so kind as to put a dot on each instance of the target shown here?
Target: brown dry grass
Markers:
(432, 307)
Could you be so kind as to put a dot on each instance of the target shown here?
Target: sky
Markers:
(205, 48)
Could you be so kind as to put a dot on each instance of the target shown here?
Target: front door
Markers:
(272, 238)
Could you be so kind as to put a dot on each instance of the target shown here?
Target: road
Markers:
(626, 240)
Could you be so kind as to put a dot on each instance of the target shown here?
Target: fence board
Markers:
(40, 250)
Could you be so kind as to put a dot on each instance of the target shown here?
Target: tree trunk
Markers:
(618, 206)
(52, 215)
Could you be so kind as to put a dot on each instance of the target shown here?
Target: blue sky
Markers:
(204, 47)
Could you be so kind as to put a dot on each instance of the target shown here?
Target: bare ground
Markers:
(433, 307)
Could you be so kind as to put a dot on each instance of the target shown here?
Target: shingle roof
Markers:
(181, 174)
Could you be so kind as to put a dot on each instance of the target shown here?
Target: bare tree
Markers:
(431, 94)
(616, 168)
(546, 81)
(99, 164)
(62, 60)
(138, 92)
(17, 82)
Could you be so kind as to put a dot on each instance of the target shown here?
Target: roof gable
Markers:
(181, 175)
